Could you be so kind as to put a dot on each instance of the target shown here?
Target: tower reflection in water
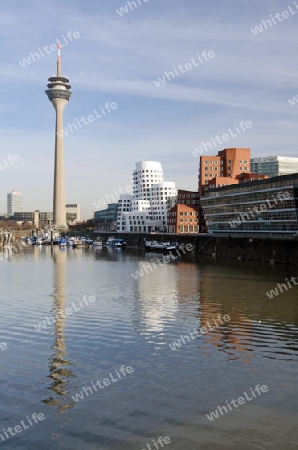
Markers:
(59, 364)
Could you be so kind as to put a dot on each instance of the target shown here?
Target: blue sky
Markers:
(115, 59)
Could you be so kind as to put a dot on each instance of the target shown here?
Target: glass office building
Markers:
(273, 166)
(266, 207)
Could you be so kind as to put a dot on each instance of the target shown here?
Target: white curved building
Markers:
(146, 210)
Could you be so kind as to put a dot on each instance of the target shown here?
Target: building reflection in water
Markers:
(161, 293)
(59, 365)
(217, 297)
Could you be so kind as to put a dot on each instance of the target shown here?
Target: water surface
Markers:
(132, 323)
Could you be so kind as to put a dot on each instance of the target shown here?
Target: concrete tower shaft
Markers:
(59, 94)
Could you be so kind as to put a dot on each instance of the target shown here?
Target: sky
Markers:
(116, 58)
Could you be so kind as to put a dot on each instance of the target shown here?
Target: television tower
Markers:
(59, 94)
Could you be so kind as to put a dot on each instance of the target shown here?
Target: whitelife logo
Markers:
(53, 48)
(293, 101)
(275, 292)
(265, 24)
(250, 214)
(206, 146)
(241, 400)
(196, 334)
(71, 127)
(23, 426)
(183, 68)
(131, 5)
(103, 383)
(61, 313)
(9, 160)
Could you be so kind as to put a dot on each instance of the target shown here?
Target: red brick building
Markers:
(183, 219)
(227, 164)
(184, 216)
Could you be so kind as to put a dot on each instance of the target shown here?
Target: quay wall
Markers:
(262, 249)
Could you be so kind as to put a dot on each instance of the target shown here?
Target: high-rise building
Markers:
(226, 166)
(273, 166)
(15, 202)
(59, 94)
(146, 210)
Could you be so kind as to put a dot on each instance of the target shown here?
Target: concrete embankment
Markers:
(262, 249)
(280, 251)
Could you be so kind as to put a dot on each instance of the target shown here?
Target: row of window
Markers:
(173, 221)
(181, 213)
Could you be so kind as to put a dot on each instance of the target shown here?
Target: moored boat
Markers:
(116, 242)
(161, 246)
(97, 243)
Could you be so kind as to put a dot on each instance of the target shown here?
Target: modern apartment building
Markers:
(226, 165)
(146, 210)
(273, 166)
(15, 202)
(268, 206)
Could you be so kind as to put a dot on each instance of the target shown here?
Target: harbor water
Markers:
(114, 349)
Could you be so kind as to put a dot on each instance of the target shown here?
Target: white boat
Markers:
(71, 242)
(161, 246)
(39, 241)
(116, 242)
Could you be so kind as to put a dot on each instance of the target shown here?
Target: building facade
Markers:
(146, 210)
(73, 212)
(106, 219)
(269, 206)
(273, 166)
(184, 216)
(45, 219)
(183, 219)
(15, 202)
(227, 164)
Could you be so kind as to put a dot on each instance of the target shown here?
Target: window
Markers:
(206, 168)
(230, 161)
